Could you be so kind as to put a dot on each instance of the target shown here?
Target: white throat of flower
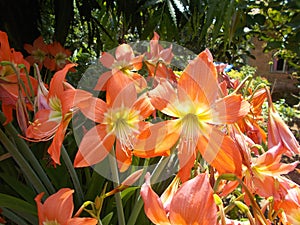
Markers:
(123, 122)
(189, 133)
(51, 222)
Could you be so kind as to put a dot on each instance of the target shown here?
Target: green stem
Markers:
(116, 181)
(24, 150)
(73, 174)
(23, 164)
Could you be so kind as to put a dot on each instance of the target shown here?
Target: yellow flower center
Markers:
(123, 122)
(39, 55)
(60, 59)
(55, 105)
(47, 222)
(123, 66)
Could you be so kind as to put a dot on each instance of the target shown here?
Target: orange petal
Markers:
(56, 83)
(230, 109)
(280, 134)
(107, 59)
(204, 74)
(124, 53)
(82, 221)
(152, 204)
(57, 207)
(186, 162)
(8, 112)
(123, 156)
(220, 151)
(164, 98)
(94, 147)
(102, 81)
(93, 108)
(72, 97)
(144, 106)
(125, 97)
(157, 139)
(193, 203)
(115, 85)
(55, 147)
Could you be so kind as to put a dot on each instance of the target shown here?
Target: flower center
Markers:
(55, 105)
(51, 222)
(123, 122)
(39, 55)
(190, 132)
(60, 59)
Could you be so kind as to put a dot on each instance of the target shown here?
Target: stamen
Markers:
(190, 133)
(124, 134)
(123, 123)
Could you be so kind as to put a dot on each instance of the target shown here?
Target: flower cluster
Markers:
(52, 56)
(214, 130)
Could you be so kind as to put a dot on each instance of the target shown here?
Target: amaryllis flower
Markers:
(290, 206)
(120, 121)
(249, 124)
(192, 203)
(280, 137)
(38, 52)
(55, 112)
(10, 87)
(125, 64)
(197, 111)
(267, 169)
(158, 59)
(58, 209)
(58, 57)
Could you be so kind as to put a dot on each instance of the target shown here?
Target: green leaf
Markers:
(21, 189)
(17, 204)
(127, 193)
(107, 218)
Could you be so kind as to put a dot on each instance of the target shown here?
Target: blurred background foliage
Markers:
(91, 26)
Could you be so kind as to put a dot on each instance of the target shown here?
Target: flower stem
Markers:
(72, 172)
(116, 181)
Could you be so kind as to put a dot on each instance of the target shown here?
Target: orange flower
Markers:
(158, 58)
(125, 64)
(248, 124)
(38, 52)
(10, 90)
(280, 138)
(55, 112)
(267, 169)
(291, 205)
(192, 203)
(198, 111)
(58, 209)
(58, 57)
(120, 120)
